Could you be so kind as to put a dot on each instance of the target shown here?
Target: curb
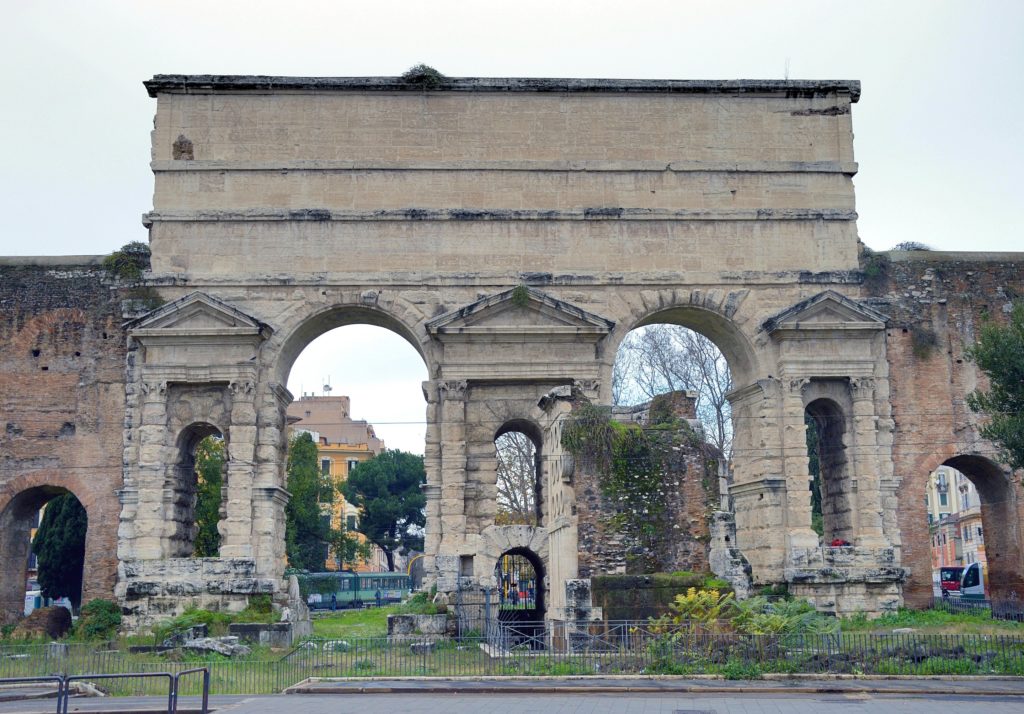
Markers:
(779, 684)
(654, 690)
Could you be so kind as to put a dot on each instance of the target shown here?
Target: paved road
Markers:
(509, 703)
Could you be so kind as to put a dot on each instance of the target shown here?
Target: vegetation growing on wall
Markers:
(423, 75)
(520, 296)
(634, 466)
(129, 262)
(127, 265)
(923, 341)
(876, 270)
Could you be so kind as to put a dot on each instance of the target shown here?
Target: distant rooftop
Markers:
(215, 83)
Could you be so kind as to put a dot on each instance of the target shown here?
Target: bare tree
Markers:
(517, 479)
(661, 358)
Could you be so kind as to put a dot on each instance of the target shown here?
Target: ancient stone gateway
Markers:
(514, 231)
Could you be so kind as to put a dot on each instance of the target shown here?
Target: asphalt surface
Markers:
(591, 696)
(574, 703)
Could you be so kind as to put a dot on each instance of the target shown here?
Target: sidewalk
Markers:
(973, 686)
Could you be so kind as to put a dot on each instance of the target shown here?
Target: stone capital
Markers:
(155, 387)
(798, 384)
(243, 388)
(862, 387)
(453, 389)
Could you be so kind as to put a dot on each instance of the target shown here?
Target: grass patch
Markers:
(371, 622)
(934, 622)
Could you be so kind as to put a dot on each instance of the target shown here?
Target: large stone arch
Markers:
(20, 501)
(301, 326)
(1001, 511)
(715, 314)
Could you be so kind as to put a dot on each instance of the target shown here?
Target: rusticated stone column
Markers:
(236, 526)
(866, 455)
(432, 489)
(797, 471)
(452, 396)
(269, 496)
(154, 458)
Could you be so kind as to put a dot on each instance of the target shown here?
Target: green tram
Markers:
(334, 590)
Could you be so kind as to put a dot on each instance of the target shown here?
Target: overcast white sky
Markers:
(939, 126)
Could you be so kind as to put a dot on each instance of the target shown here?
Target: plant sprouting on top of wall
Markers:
(875, 267)
(129, 262)
(128, 265)
(423, 75)
(520, 296)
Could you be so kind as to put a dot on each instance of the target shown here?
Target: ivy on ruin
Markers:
(634, 466)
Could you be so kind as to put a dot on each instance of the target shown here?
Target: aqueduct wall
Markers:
(285, 207)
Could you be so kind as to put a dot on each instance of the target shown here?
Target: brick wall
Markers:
(937, 303)
(62, 357)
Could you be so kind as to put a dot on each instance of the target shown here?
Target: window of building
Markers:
(350, 523)
(325, 466)
(352, 463)
(979, 532)
(943, 499)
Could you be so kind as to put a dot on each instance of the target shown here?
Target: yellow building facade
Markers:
(342, 443)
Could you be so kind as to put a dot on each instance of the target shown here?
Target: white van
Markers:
(972, 582)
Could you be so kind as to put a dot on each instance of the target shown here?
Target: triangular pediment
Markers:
(521, 311)
(197, 313)
(827, 310)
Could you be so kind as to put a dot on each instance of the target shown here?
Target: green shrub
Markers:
(259, 609)
(129, 262)
(420, 604)
(216, 622)
(99, 619)
(738, 669)
(761, 616)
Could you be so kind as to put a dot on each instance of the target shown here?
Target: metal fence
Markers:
(1006, 609)
(63, 685)
(546, 648)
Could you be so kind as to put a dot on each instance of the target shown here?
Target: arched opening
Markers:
(955, 533)
(518, 446)
(42, 549)
(519, 574)
(198, 492)
(672, 381)
(980, 525)
(832, 511)
(357, 388)
(662, 357)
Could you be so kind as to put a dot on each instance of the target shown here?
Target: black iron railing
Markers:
(64, 682)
